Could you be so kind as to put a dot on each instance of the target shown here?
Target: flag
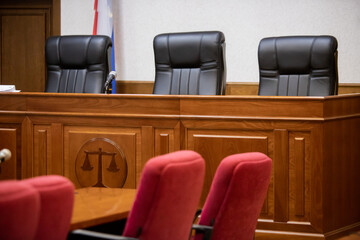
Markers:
(103, 25)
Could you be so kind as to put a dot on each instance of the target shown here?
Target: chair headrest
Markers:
(296, 54)
(188, 50)
(75, 52)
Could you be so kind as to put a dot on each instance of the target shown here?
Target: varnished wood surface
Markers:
(173, 106)
(232, 88)
(313, 142)
(95, 206)
(351, 236)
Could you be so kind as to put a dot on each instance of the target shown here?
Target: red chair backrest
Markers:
(57, 199)
(236, 196)
(19, 210)
(167, 198)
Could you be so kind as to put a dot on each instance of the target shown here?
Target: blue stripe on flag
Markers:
(113, 62)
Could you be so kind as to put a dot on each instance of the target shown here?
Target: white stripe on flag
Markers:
(105, 20)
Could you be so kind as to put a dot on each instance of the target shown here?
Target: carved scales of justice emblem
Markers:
(91, 162)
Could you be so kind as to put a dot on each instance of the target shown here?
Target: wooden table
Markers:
(95, 206)
(98, 139)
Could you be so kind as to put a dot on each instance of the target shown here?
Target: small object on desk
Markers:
(8, 88)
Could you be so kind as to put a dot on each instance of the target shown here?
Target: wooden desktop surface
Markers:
(105, 140)
(94, 206)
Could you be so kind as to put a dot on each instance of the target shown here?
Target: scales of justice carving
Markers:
(112, 168)
(92, 157)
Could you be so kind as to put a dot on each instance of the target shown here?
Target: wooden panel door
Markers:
(24, 27)
(23, 35)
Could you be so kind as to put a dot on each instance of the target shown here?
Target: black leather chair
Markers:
(190, 63)
(298, 66)
(77, 64)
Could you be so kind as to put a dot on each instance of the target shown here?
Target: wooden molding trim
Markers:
(56, 18)
(232, 88)
(134, 87)
(242, 88)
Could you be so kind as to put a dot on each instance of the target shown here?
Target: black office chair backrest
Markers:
(77, 64)
(298, 66)
(190, 63)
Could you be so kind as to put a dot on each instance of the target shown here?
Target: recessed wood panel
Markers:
(164, 144)
(164, 141)
(101, 157)
(48, 150)
(214, 148)
(299, 149)
(42, 149)
(299, 176)
(40, 158)
(8, 139)
(281, 176)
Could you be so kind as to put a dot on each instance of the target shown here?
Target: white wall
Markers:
(77, 17)
(244, 23)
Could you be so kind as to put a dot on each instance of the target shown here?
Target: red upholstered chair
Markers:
(166, 200)
(235, 199)
(19, 210)
(56, 199)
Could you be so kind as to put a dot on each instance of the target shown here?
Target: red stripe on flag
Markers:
(95, 17)
(95, 23)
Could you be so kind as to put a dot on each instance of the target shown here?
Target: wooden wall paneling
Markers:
(299, 148)
(167, 139)
(183, 135)
(147, 149)
(341, 168)
(346, 88)
(299, 176)
(144, 107)
(179, 135)
(55, 28)
(9, 139)
(23, 35)
(42, 147)
(101, 155)
(56, 163)
(48, 149)
(312, 192)
(216, 145)
(252, 88)
(242, 88)
(162, 141)
(341, 154)
(27, 143)
(42, 158)
(281, 176)
(279, 235)
(134, 87)
(164, 144)
(317, 170)
(24, 27)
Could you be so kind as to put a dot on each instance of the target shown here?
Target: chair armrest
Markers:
(86, 234)
(203, 229)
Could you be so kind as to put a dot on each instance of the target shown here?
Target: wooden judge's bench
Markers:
(105, 140)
